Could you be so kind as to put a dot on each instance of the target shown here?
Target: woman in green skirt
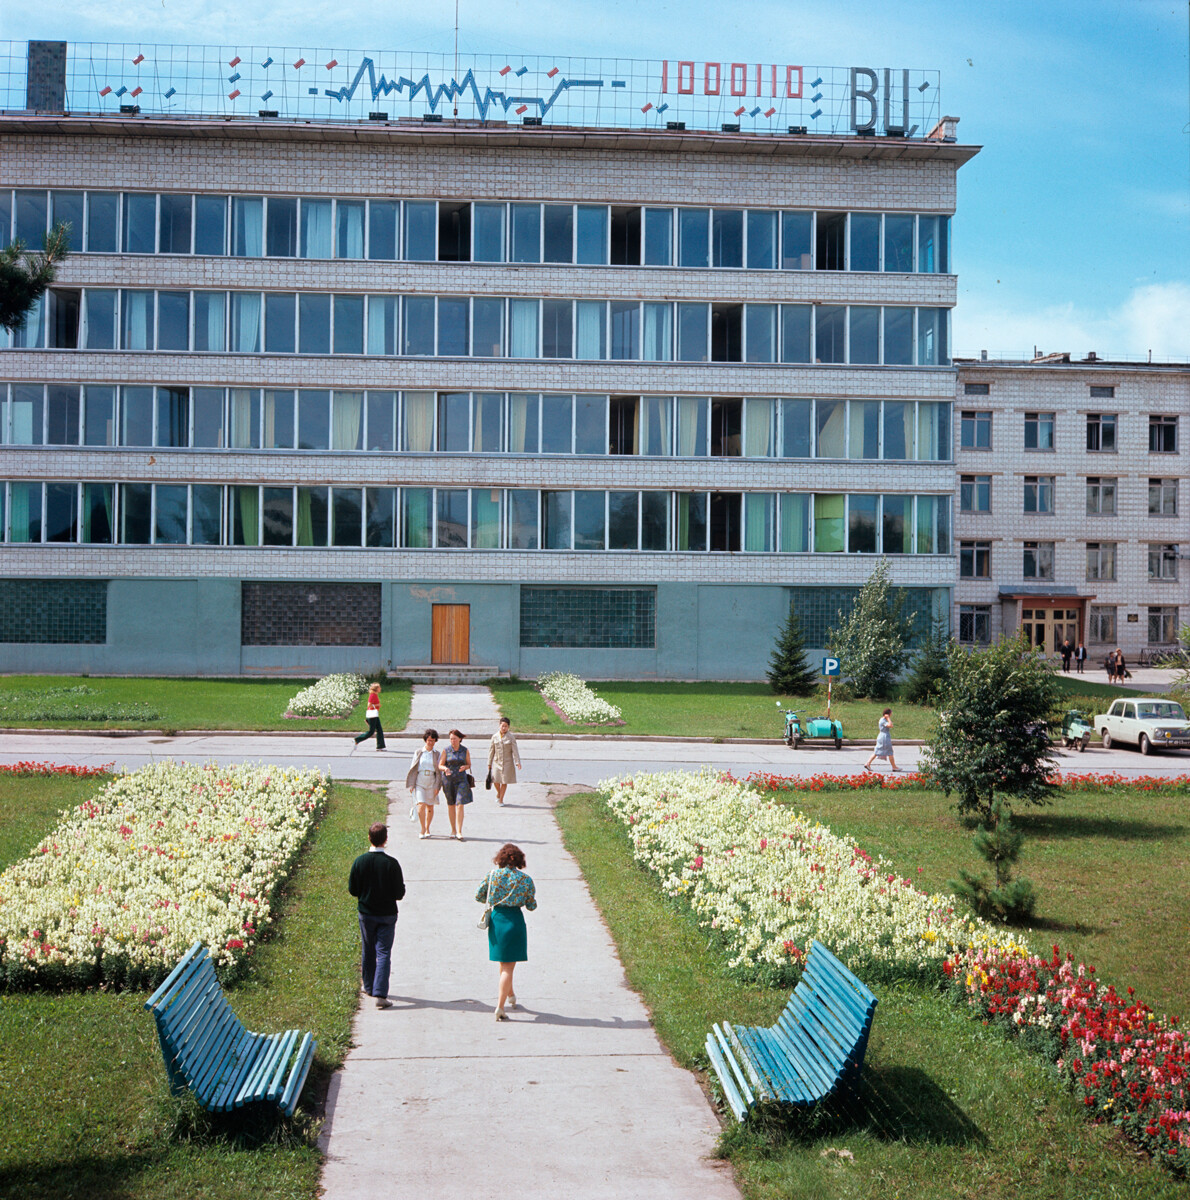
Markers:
(507, 890)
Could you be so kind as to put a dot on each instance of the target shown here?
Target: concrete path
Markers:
(469, 707)
(572, 1097)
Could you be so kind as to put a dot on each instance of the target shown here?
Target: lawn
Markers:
(87, 1111)
(176, 704)
(729, 710)
(948, 1107)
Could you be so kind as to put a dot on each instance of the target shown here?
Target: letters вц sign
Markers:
(871, 96)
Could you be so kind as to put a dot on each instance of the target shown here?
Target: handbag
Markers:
(487, 783)
(485, 917)
(470, 780)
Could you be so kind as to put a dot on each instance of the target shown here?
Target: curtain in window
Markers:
(245, 322)
(933, 430)
(927, 525)
(689, 424)
(31, 332)
(247, 226)
(759, 509)
(18, 511)
(830, 525)
(898, 429)
(305, 527)
(658, 333)
(316, 229)
(416, 503)
(523, 329)
(25, 415)
(104, 491)
(830, 417)
(591, 329)
(138, 321)
(419, 421)
(758, 441)
(795, 522)
(485, 518)
(214, 303)
(248, 499)
(382, 324)
(656, 425)
(519, 424)
(346, 411)
(243, 435)
(351, 231)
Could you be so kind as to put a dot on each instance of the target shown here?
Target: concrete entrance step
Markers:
(447, 673)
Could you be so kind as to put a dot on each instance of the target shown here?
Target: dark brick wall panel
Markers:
(310, 614)
(589, 618)
(54, 612)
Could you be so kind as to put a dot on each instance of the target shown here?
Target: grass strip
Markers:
(87, 1107)
(949, 1107)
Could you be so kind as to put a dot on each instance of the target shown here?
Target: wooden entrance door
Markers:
(451, 642)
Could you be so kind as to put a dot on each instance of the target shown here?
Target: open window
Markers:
(454, 232)
(625, 242)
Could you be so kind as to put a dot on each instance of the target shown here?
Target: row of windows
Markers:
(489, 232)
(975, 560)
(484, 327)
(975, 495)
(471, 422)
(975, 624)
(975, 431)
(476, 518)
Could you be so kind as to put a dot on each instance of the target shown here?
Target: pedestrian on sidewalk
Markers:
(504, 760)
(1080, 658)
(1067, 652)
(377, 883)
(506, 891)
(423, 781)
(373, 715)
(884, 746)
(456, 781)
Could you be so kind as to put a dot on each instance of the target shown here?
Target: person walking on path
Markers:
(1080, 658)
(1066, 650)
(884, 746)
(504, 759)
(506, 891)
(1121, 667)
(423, 781)
(373, 715)
(456, 782)
(377, 884)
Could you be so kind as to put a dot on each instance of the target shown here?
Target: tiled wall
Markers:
(589, 618)
(53, 611)
(310, 614)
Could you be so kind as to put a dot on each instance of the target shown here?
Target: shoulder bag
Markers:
(485, 917)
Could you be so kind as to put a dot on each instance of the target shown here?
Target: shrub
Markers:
(870, 641)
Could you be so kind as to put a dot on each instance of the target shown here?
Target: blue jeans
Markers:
(376, 934)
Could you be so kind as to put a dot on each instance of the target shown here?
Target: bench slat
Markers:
(729, 1057)
(224, 1097)
(731, 1093)
(184, 964)
(276, 1081)
(253, 1087)
(297, 1075)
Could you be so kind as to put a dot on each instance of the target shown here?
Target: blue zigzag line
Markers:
(448, 92)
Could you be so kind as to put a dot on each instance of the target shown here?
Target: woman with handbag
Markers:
(506, 891)
(456, 781)
(504, 760)
(423, 780)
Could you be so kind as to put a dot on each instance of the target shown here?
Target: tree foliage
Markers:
(1000, 845)
(871, 641)
(789, 673)
(25, 277)
(930, 669)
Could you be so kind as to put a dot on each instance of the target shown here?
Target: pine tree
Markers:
(24, 277)
(789, 673)
(930, 670)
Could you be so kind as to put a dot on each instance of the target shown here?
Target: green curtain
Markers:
(927, 514)
(305, 530)
(19, 517)
(416, 503)
(829, 524)
(249, 501)
(795, 522)
(759, 508)
(485, 518)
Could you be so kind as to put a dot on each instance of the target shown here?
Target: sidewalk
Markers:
(572, 1097)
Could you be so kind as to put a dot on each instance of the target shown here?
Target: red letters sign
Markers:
(743, 79)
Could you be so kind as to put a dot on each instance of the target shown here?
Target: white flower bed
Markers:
(577, 700)
(770, 879)
(159, 858)
(332, 696)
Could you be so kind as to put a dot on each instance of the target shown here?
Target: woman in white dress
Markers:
(504, 759)
(423, 780)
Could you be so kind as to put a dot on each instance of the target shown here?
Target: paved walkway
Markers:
(469, 707)
(572, 1097)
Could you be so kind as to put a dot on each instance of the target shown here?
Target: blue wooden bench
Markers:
(208, 1050)
(816, 1046)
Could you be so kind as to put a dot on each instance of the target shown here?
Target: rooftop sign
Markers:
(348, 85)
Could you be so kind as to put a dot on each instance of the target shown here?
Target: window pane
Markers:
(590, 425)
(210, 225)
(62, 414)
(279, 419)
(28, 414)
(349, 324)
(828, 524)
(933, 430)
(830, 237)
(313, 516)
(727, 237)
(623, 510)
(136, 510)
(140, 223)
(99, 318)
(557, 424)
(591, 329)
(762, 240)
(898, 429)
(865, 241)
(558, 228)
(795, 333)
(452, 518)
(206, 503)
(316, 229)
(864, 429)
(245, 323)
(281, 228)
(727, 332)
(382, 421)
(829, 333)
(526, 233)
(349, 229)
(280, 322)
(99, 416)
(173, 320)
(522, 520)
(454, 232)
(693, 247)
(591, 230)
(169, 524)
(797, 242)
(314, 420)
(244, 419)
(556, 329)
(523, 316)
(523, 424)
(102, 222)
(657, 336)
(898, 337)
(488, 226)
(210, 321)
(656, 425)
(692, 426)
(485, 518)
(208, 417)
(244, 515)
(382, 518)
(761, 332)
(136, 415)
(625, 329)
(487, 335)
(347, 420)
(247, 215)
(382, 324)
(589, 520)
(314, 323)
(654, 521)
(137, 319)
(419, 325)
(861, 524)
(865, 335)
(931, 337)
(555, 520)
(795, 428)
(66, 208)
(454, 421)
(690, 532)
(173, 416)
(932, 237)
(760, 428)
(98, 523)
(382, 229)
(830, 442)
(897, 525)
(760, 521)
(485, 427)
(898, 242)
(421, 227)
(693, 335)
(659, 237)
(276, 511)
(795, 523)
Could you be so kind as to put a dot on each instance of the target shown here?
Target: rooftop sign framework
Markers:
(313, 84)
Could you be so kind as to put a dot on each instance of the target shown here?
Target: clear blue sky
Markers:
(1073, 228)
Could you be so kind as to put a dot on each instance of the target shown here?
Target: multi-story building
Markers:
(1071, 516)
(319, 394)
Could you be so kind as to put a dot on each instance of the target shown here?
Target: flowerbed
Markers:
(769, 880)
(576, 700)
(49, 768)
(159, 858)
(1108, 781)
(1130, 1067)
(69, 704)
(331, 696)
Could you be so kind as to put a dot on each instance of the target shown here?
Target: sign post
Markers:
(830, 668)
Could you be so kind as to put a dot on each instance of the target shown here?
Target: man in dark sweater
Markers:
(377, 883)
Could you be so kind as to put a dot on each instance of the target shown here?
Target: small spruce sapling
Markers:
(789, 673)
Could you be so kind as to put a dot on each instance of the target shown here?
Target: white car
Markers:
(1150, 722)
